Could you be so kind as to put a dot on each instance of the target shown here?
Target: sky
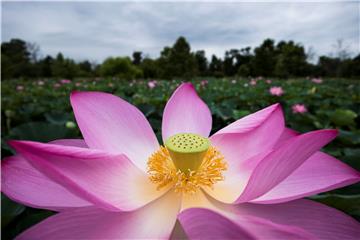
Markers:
(96, 30)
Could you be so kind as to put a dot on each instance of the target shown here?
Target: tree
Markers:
(329, 66)
(290, 60)
(178, 61)
(34, 52)
(150, 68)
(46, 66)
(85, 68)
(265, 58)
(215, 66)
(202, 63)
(137, 58)
(120, 67)
(17, 59)
(64, 67)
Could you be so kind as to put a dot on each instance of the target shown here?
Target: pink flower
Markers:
(152, 84)
(276, 91)
(65, 81)
(19, 88)
(317, 80)
(57, 85)
(253, 82)
(203, 83)
(299, 108)
(268, 81)
(246, 181)
(78, 84)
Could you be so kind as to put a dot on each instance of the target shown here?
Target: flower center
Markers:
(187, 162)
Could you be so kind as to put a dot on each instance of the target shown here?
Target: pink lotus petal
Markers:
(285, 135)
(153, 221)
(317, 174)
(70, 142)
(205, 224)
(242, 140)
(22, 183)
(109, 181)
(319, 220)
(185, 112)
(249, 122)
(111, 124)
(264, 171)
(200, 223)
(25, 184)
(250, 135)
(280, 163)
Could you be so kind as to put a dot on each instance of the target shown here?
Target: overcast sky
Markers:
(97, 30)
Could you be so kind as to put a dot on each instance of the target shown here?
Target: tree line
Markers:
(283, 59)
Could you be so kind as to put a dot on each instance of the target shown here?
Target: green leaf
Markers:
(40, 131)
(349, 204)
(240, 113)
(343, 117)
(9, 210)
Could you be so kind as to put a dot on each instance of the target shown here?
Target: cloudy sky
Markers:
(97, 30)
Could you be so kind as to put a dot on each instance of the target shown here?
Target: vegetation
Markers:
(283, 59)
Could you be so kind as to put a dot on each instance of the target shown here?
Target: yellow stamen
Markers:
(162, 171)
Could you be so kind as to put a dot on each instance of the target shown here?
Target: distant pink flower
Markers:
(78, 84)
(119, 183)
(57, 85)
(19, 88)
(268, 81)
(253, 82)
(299, 108)
(152, 84)
(65, 81)
(276, 91)
(317, 80)
(203, 83)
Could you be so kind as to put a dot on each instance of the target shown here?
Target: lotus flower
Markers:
(246, 181)
(276, 91)
(299, 108)
(203, 83)
(65, 81)
(317, 80)
(152, 84)
(19, 88)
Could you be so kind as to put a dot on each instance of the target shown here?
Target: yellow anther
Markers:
(186, 168)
